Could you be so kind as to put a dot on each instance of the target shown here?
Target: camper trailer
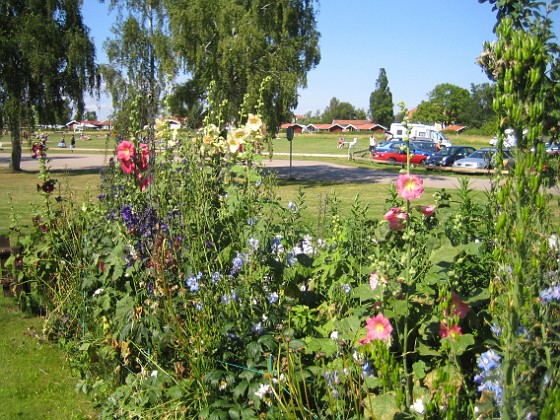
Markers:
(418, 132)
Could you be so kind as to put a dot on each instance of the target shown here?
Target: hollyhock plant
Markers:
(409, 186)
(125, 151)
(427, 211)
(453, 332)
(458, 307)
(375, 279)
(378, 328)
(397, 218)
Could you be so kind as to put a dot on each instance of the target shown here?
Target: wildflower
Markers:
(334, 335)
(427, 211)
(215, 278)
(496, 330)
(409, 186)
(262, 390)
(253, 243)
(490, 376)
(291, 259)
(418, 406)
(257, 328)
(378, 328)
(396, 218)
(305, 246)
(237, 263)
(346, 288)
(550, 294)
(198, 306)
(273, 297)
(228, 298)
(375, 279)
(554, 242)
(276, 246)
(98, 292)
(453, 332)
(292, 206)
(192, 283)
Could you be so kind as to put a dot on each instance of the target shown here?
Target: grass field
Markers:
(312, 143)
(36, 382)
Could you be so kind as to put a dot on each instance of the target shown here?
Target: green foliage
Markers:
(381, 101)
(337, 110)
(238, 44)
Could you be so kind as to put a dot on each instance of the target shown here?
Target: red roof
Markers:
(351, 122)
(455, 127)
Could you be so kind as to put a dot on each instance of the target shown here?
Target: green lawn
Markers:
(36, 382)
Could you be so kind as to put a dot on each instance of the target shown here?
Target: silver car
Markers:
(484, 158)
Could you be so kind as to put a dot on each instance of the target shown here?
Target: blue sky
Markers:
(420, 44)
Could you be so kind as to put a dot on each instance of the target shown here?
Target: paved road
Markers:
(301, 170)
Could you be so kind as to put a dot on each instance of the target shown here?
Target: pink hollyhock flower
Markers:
(145, 154)
(458, 307)
(127, 166)
(427, 211)
(375, 279)
(453, 332)
(125, 151)
(378, 328)
(145, 182)
(409, 186)
(396, 218)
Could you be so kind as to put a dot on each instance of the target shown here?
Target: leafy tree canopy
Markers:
(238, 44)
(337, 110)
(47, 60)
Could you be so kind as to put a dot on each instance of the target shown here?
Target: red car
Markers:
(396, 155)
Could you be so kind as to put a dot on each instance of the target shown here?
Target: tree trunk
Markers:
(15, 162)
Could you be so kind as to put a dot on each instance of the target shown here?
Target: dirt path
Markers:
(301, 170)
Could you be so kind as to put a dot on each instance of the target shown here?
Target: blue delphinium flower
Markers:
(550, 294)
(237, 264)
(490, 376)
(128, 216)
(215, 278)
(273, 297)
(257, 328)
(496, 329)
(291, 259)
(276, 245)
(192, 282)
(228, 298)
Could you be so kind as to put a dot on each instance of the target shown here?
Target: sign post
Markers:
(290, 137)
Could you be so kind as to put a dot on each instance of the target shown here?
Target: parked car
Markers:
(448, 155)
(484, 159)
(420, 147)
(399, 155)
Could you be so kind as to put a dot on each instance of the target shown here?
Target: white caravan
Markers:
(419, 132)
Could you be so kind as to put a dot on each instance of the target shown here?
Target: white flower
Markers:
(98, 292)
(254, 123)
(554, 242)
(262, 391)
(154, 374)
(418, 406)
(334, 335)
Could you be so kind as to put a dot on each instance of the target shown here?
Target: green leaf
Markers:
(424, 350)
(419, 369)
(380, 407)
(324, 345)
(461, 343)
